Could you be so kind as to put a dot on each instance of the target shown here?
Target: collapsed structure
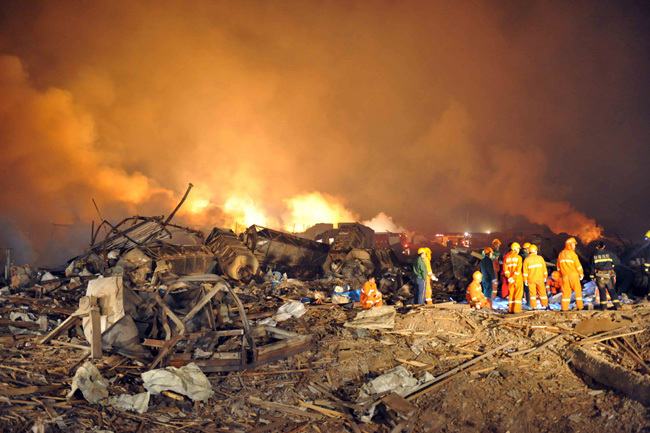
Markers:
(194, 316)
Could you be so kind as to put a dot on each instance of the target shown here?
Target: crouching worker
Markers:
(370, 296)
(475, 296)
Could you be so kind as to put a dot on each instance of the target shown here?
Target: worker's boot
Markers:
(616, 305)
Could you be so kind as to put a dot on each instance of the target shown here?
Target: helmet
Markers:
(571, 241)
(515, 246)
(526, 245)
(477, 276)
(427, 250)
(421, 250)
(496, 241)
(487, 251)
(532, 249)
(555, 275)
(647, 235)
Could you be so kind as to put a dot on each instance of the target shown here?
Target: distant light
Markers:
(466, 234)
(488, 232)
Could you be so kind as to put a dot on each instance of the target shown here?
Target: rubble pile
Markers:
(137, 334)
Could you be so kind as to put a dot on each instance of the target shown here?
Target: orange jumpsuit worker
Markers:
(474, 295)
(571, 271)
(512, 271)
(554, 283)
(535, 274)
(370, 296)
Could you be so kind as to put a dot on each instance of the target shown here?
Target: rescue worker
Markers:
(420, 271)
(497, 262)
(524, 254)
(489, 282)
(428, 293)
(535, 274)
(474, 295)
(571, 271)
(512, 271)
(602, 271)
(553, 283)
(370, 296)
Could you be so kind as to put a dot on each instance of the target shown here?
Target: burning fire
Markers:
(305, 210)
(243, 212)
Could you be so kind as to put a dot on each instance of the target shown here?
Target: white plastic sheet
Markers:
(188, 380)
(291, 309)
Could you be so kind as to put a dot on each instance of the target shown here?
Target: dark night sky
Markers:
(427, 111)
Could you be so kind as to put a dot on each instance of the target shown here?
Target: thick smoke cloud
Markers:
(426, 111)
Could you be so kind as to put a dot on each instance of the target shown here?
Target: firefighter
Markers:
(428, 293)
(571, 271)
(474, 295)
(524, 254)
(420, 271)
(535, 274)
(370, 295)
(602, 271)
(553, 283)
(489, 281)
(497, 262)
(512, 271)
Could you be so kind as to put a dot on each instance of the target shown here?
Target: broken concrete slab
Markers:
(628, 382)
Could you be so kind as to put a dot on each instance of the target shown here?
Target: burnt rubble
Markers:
(246, 333)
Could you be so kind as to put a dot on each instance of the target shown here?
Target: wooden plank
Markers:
(399, 404)
(261, 350)
(427, 386)
(327, 412)
(96, 329)
(67, 324)
(282, 408)
(597, 339)
(19, 324)
(29, 390)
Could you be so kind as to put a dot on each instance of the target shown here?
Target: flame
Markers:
(242, 212)
(305, 210)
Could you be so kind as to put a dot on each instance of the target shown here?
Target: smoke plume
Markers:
(286, 114)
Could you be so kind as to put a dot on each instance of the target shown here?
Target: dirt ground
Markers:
(513, 390)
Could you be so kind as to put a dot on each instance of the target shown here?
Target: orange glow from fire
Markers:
(243, 212)
(305, 210)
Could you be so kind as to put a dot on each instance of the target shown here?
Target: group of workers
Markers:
(523, 271)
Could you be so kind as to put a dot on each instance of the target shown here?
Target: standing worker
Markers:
(524, 254)
(535, 274)
(428, 293)
(474, 295)
(370, 296)
(571, 271)
(512, 271)
(489, 281)
(497, 262)
(420, 271)
(602, 268)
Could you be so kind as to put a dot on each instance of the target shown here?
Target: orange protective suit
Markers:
(370, 296)
(512, 271)
(555, 286)
(571, 271)
(428, 292)
(475, 296)
(535, 274)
